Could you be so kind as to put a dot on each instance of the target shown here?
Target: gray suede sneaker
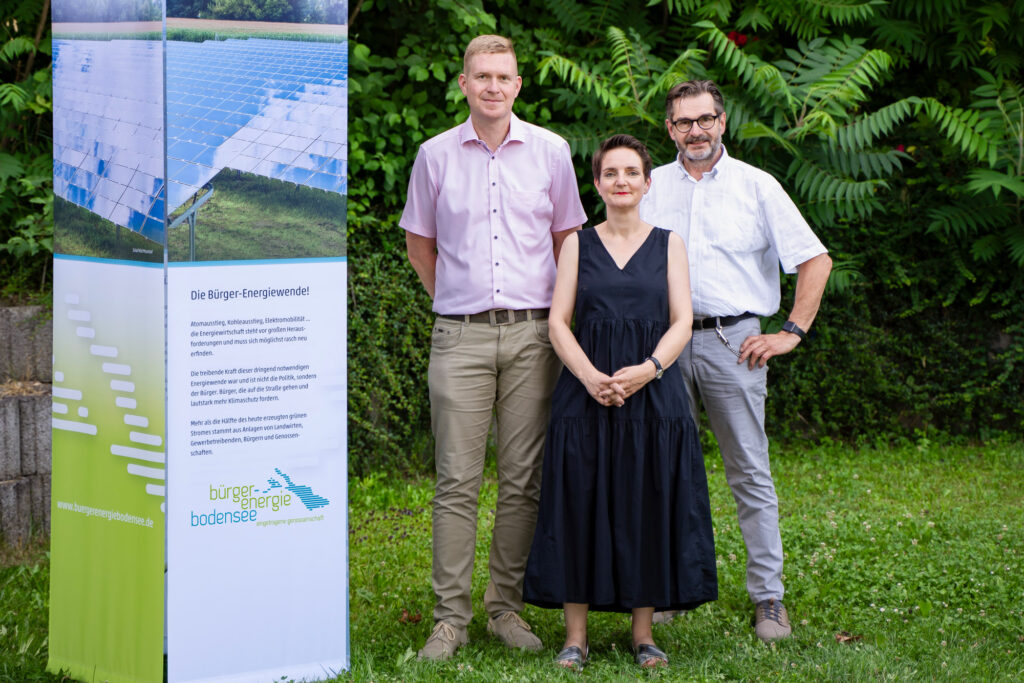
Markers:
(514, 632)
(771, 622)
(444, 640)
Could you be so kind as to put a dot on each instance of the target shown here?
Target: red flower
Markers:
(736, 38)
(900, 148)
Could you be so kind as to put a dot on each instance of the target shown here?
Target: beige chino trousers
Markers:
(478, 371)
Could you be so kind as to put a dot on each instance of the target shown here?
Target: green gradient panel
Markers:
(107, 575)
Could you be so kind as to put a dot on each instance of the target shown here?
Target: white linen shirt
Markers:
(738, 224)
(492, 214)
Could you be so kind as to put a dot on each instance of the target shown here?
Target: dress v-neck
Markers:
(636, 251)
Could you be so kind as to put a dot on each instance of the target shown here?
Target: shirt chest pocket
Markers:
(529, 207)
(736, 229)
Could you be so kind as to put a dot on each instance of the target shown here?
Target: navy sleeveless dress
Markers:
(624, 517)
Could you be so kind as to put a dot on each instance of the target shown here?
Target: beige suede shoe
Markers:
(444, 640)
(514, 632)
(666, 617)
(771, 622)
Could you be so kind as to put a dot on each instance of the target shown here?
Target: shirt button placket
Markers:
(494, 202)
(696, 238)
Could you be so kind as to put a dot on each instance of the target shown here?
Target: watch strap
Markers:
(658, 370)
(793, 328)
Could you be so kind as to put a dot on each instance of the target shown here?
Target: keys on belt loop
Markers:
(725, 340)
(501, 316)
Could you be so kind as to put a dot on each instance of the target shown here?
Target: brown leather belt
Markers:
(501, 316)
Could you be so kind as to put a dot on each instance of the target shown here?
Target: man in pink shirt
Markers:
(490, 202)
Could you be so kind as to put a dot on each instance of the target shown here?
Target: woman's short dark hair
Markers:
(628, 142)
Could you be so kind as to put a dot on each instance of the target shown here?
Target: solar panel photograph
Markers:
(255, 140)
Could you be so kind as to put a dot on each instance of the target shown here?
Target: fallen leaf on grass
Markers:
(407, 618)
(847, 637)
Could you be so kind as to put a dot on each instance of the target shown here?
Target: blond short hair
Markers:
(488, 45)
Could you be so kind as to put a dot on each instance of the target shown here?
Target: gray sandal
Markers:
(649, 656)
(572, 658)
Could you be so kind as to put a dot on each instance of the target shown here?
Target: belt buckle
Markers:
(509, 314)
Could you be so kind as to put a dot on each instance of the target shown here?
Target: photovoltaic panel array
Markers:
(274, 108)
(270, 107)
(108, 148)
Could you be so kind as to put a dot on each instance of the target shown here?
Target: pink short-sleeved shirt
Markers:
(492, 215)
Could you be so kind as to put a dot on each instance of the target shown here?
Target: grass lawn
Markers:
(81, 232)
(248, 217)
(902, 564)
(252, 217)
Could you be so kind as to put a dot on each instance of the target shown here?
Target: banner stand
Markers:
(199, 502)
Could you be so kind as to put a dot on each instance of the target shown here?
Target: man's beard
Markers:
(714, 143)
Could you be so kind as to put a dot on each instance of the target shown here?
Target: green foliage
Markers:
(810, 103)
(250, 10)
(302, 11)
(625, 91)
(952, 36)
(791, 108)
(186, 8)
(192, 35)
(24, 609)
(991, 133)
(26, 170)
(107, 10)
(963, 129)
(388, 350)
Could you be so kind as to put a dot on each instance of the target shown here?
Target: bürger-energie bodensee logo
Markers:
(248, 503)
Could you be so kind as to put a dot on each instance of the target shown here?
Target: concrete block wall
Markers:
(25, 356)
(26, 344)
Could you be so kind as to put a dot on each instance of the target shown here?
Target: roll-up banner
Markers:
(199, 474)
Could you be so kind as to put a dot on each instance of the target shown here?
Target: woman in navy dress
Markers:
(624, 522)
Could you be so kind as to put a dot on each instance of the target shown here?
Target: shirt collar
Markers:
(516, 131)
(720, 165)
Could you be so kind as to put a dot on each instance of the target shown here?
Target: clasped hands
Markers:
(613, 390)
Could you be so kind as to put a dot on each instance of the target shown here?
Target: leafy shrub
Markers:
(388, 351)
(26, 170)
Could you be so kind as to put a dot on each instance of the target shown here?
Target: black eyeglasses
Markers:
(705, 122)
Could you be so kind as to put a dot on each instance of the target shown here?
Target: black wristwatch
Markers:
(658, 370)
(793, 328)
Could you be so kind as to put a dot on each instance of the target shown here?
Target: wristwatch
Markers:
(793, 328)
(658, 370)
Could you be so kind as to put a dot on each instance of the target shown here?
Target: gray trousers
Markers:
(734, 398)
(478, 372)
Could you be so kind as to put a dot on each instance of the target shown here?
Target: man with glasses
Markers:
(738, 224)
(490, 202)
